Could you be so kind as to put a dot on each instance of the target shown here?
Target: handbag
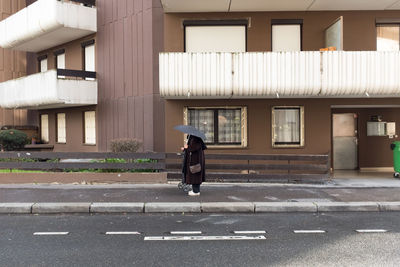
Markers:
(194, 168)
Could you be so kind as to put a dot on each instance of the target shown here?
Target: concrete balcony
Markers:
(279, 75)
(48, 23)
(48, 90)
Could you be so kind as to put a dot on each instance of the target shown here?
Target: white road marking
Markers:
(122, 233)
(51, 233)
(185, 232)
(309, 231)
(371, 231)
(202, 238)
(249, 232)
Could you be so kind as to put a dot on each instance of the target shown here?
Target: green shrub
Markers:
(125, 145)
(13, 139)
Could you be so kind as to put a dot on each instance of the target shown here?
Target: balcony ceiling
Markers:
(45, 24)
(175, 6)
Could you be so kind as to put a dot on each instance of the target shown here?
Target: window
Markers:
(90, 127)
(286, 35)
(44, 128)
(222, 126)
(215, 36)
(42, 63)
(61, 128)
(388, 37)
(287, 126)
(89, 57)
(60, 60)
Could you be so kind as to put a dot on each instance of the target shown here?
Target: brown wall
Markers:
(73, 54)
(317, 116)
(359, 28)
(74, 129)
(12, 66)
(129, 37)
(374, 151)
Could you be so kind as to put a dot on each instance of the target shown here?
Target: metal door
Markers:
(345, 142)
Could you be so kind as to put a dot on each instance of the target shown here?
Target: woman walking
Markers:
(194, 165)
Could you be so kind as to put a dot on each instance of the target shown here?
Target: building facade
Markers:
(250, 74)
(252, 77)
(89, 71)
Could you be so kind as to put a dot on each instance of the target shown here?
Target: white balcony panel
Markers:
(276, 74)
(280, 74)
(369, 73)
(45, 90)
(47, 23)
(201, 75)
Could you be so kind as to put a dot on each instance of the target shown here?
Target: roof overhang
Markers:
(176, 6)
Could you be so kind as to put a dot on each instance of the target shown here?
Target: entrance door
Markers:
(345, 143)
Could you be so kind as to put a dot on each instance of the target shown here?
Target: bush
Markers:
(13, 139)
(125, 145)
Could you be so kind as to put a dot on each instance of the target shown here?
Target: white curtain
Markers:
(287, 125)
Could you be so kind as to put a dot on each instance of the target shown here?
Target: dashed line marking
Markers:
(185, 232)
(51, 233)
(122, 233)
(371, 231)
(202, 238)
(249, 232)
(309, 231)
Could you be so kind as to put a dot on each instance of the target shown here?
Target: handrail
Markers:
(76, 73)
(86, 2)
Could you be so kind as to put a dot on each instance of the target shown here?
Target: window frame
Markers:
(84, 128)
(243, 125)
(387, 24)
(65, 127)
(235, 22)
(288, 22)
(300, 144)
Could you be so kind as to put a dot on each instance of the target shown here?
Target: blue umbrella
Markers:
(188, 129)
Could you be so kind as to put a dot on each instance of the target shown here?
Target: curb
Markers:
(196, 207)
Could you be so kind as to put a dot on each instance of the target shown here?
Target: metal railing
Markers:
(76, 73)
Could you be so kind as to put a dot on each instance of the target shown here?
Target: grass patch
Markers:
(19, 171)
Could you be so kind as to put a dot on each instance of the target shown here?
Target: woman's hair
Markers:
(197, 140)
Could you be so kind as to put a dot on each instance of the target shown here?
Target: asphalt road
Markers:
(87, 244)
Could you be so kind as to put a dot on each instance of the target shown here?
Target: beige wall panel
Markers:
(215, 39)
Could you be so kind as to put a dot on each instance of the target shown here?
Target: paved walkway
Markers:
(357, 192)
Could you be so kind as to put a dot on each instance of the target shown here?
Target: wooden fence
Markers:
(257, 168)
(58, 161)
(219, 167)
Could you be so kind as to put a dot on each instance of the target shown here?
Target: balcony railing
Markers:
(50, 89)
(280, 74)
(48, 23)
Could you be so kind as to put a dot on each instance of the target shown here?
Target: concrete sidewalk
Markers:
(337, 195)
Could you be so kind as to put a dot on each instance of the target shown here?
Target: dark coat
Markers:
(194, 154)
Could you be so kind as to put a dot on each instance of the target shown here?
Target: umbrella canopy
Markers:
(188, 129)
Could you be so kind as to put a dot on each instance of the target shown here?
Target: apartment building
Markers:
(88, 71)
(250, 74)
